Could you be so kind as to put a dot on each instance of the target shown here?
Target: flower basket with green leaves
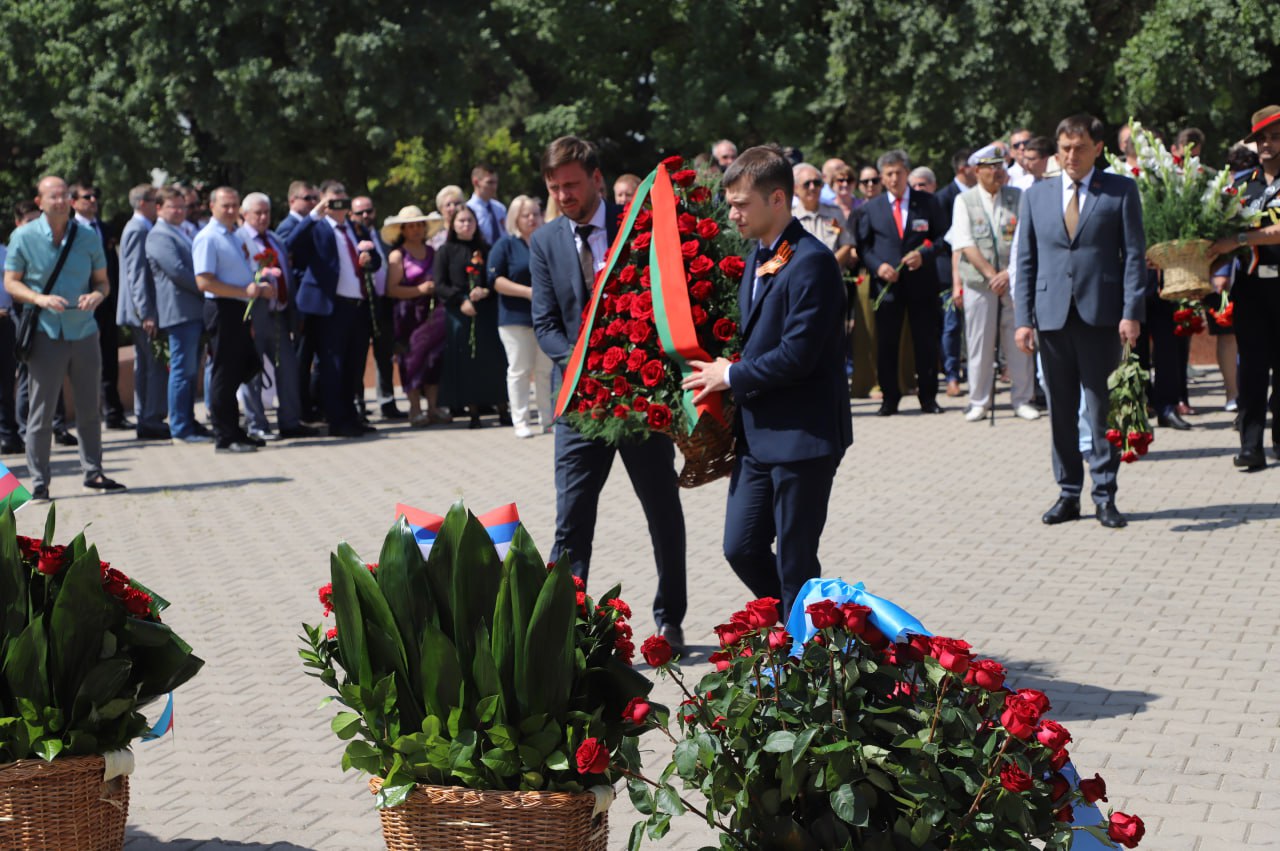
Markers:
(459, 669)
(82, 653)
(852, 741)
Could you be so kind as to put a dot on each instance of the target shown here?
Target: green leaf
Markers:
(686, 758)
(345, 724)
(81, 614)
(802, 743)
(780, 741)
(49, 748)
(849, 806)
(441, 672)
(545, 672)
(668, 801)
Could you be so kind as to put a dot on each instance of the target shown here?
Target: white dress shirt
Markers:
(350, 283)
(598, 241)
(960, 236)
(1067, 187)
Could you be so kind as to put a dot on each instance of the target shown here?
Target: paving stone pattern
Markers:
(1159, 644)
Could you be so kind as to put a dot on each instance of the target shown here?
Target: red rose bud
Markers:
(1129, 457)
(986, 674)
(1053, 735)
(685, 223)
(686, 177)
(1126, 829)
(621, 386)
(721, 660)
(1065, 815)
(1037, 698)
(1015, 779)
(724, 329)
(824, 614)
(1019, 717)
(658, 417)
(1183, 315)
(762, 613)
(1141, 449)
(1114, 437)
(1059, 786)
(619, 412)
(51, 559)
(699, 195)
(732, 632)
(779, 639)
(656, 651)
(855, 617)
(951, 653)
(928, 243)
(614, 356)
(636, 711)
(640, 404)
(1059, 759)
(592, 756)
(1094, 790)
(707, 229)
(921, 646)
(733, 267)
(673, 163)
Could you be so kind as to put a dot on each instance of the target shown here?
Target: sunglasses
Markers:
(811, 184)
(368, 212)
(309, 197)
(1018, 145)
(87, 196)
(869, 181)
(843, 180)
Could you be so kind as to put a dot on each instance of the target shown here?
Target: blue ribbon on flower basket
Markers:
(163, 724)
(896, 622)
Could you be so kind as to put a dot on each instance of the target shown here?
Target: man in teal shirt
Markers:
(66, 340)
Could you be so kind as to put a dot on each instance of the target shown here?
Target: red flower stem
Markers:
(982, 790)
(937, 712)
(688, 806)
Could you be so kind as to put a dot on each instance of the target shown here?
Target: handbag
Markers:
(31, 313)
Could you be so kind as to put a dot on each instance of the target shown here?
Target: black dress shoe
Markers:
(931, 407)
(887, 409)
(1109, 516)
(161, 433)
(101, 484)
(1172, 419)
(1063, 510)
(120, 423)
(251, 440)
(346, 431)
(299, 431)
(201, 430)
(1250, 460)
(13, 447)
(675, 637)
(391, 412)
(62, 437)
(235, 446)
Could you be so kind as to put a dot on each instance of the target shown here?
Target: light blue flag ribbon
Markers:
(163, 724)
(896, 622)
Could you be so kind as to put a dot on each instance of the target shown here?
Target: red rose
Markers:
(1037, 698)
(701, 290)
(589, 387)
(699, 315)
(652, 373)
(689, 249)
(1059, 759)
(332, 633)
(1126, 829)
(1053, 735)
(762, 613)
(779, 639)
(656, 651)
(624, 648)
(613, 357)
(724, 329)
(699, 195)
(622, 304)
(721, 660)
(1019, 717)
(1015, 779)
(620, 388)
(636, 711)
(952, 653)
(596, 338)
(673, 163)
(615, 327)
(116, 582)
(622, 629)
(642, 306)
(594, 359)
(644, 220)
(1059, 786)
(619, 412)
(636, 359)
(1183, 315)
(51, 559)
(1094, 790)
(921, 645)
(708, 229)
(685, 223)
(29, 547)
(584, 405)
(875, 638)
(640, 404)
(986, 674)
(640, 332)
(641, 242)
(1129, 457)
(659, 417)
(685, 177)
(701, 266)
(855, 617)
(137, 602)
(1114, 437)
(593, 756)
(824, 614)
(326, 597)
(733, 266)
(732, 632)
(645, 280)
(1065, 815)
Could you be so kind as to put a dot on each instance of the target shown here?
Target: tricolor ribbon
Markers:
(163, 724)
(895, 622)
(500, 523)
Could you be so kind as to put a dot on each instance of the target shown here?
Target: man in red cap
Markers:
(1256, 291)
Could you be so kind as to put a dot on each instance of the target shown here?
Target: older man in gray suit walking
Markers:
(1081, 285)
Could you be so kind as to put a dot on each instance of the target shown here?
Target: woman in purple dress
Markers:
(419, 321)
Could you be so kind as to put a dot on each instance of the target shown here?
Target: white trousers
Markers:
(526, 361)
(980, 309)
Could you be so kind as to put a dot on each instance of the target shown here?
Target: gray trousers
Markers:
(150, 383)
(51, 361)
(271, 338)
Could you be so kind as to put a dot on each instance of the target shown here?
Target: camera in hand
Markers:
(340, 204)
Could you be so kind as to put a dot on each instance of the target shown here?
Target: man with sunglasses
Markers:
(84, 200)
(303, 197)
(1014, 157)
(364, 214)
(825, 221)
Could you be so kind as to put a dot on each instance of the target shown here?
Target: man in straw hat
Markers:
(1256, 291)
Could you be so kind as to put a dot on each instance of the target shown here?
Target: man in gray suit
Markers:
(136, 309)
(179, 310)
(1081, 279)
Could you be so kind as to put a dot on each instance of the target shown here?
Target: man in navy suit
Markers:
(330, 257)
(899, 238)
(565, 256)
(1081, 289)
(792, 421)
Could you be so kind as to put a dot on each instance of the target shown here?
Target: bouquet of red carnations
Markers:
(1128, 428)
(668, 295)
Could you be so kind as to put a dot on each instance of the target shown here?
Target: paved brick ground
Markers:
(1159, 644)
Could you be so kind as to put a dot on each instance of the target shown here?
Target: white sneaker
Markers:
(523, 431)
(1231, 406)
(1027, 412)
(976, 413)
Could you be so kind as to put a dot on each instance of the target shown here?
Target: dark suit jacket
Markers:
(559, 294)
(879, 242)
(946, 204)
(314, 251)
(1103, 270)
(790, 387)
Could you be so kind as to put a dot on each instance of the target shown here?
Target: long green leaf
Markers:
(527, 574)
(476, 576)
(548, 660)
(383, 648)
(502, 638)
(441, 673)
(14, 578)
(26, 665)
(350, 620)
(81, 614)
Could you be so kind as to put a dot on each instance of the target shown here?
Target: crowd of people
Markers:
(284, 319)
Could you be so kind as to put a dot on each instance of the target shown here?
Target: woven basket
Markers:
(450, 818)
(708, 451)
(1186, 268)
(62, 805)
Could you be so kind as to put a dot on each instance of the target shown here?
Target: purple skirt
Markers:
(420, 336)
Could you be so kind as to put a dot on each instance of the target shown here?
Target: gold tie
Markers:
(1072, 214)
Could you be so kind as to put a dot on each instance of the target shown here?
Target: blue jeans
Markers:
(952, 325)
(184, 364)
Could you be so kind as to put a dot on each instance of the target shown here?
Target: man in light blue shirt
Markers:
(491, 215)
(65, 343)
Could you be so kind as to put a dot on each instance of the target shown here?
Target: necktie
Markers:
(1071, 216)
(282, 289)
(355, 258)
(586, 259)
(897, 215)
(495, 228)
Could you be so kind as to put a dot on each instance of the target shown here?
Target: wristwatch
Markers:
(1242, 238)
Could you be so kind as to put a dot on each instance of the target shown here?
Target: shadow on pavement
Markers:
(80, 493)
(1211, 517)
(139, 840)
(1075, 701)
(1206, 452)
